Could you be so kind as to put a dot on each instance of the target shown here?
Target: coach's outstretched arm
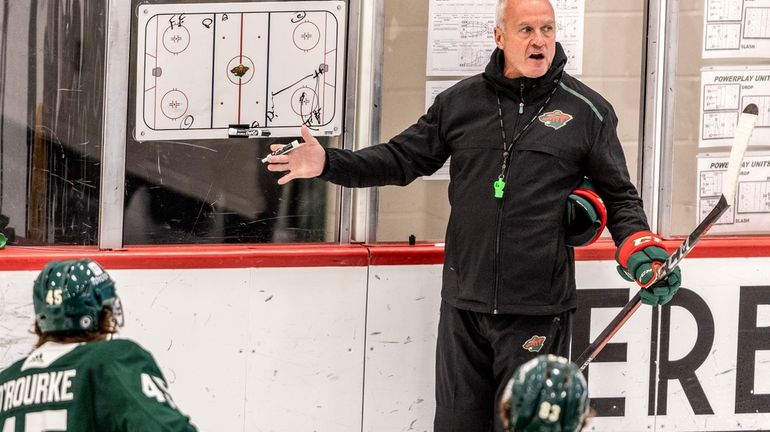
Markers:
(306, 161)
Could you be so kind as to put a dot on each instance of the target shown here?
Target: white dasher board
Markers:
(272, 65)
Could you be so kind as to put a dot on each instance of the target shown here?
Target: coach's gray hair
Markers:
(500, 12)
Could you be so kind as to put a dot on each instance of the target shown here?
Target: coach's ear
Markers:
(586, 216)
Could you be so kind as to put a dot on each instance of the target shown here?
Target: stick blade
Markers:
(741, 139)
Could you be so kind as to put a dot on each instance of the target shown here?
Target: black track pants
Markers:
(476, 355)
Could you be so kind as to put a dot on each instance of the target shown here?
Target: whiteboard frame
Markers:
(185, 130)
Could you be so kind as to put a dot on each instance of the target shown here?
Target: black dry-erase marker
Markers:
(283, 150)
(246, 131)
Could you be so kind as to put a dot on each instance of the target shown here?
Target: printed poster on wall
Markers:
(750, 213)
(461, 35)
(736, 29)
(725, 92)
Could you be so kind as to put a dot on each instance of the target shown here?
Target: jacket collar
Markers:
(531, 88)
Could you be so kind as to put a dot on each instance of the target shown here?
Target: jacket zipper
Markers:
(497, 255)
(499, 228)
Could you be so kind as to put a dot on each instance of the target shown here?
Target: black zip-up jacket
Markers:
(508, 255)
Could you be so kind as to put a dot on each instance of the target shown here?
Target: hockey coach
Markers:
(522, 136)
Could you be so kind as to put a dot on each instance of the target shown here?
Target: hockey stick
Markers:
(740, 143)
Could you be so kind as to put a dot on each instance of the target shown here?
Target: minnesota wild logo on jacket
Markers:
(555, 119)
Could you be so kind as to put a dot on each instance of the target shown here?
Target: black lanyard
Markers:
(499, 184)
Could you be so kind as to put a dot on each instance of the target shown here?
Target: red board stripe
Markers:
(320, 255)
(715, 247)
(189, 256)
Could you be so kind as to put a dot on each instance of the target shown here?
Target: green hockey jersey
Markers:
(107, 386)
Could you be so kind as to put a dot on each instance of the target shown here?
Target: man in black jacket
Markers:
(522, 135)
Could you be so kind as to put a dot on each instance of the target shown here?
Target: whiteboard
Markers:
(272, 65)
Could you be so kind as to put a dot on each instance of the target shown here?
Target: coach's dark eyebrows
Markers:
(523, 24)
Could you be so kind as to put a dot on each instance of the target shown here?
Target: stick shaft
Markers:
(663, 271)
(741, 140)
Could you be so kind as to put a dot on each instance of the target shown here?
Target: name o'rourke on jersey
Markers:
(39, 388)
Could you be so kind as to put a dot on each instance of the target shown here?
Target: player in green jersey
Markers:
(78, 379)
(545, 394)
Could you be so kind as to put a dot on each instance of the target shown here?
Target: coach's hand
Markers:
(306, 161)
(638, 257)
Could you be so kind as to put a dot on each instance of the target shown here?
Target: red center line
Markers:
(155, 91)
(326, 62)
(240, 79)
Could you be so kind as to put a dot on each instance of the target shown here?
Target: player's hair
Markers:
(107, 327)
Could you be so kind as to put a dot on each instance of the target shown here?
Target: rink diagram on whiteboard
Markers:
(272, 65)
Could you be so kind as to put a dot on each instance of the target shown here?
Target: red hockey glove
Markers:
(639, 257)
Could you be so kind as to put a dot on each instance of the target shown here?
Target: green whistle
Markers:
(499, 186)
